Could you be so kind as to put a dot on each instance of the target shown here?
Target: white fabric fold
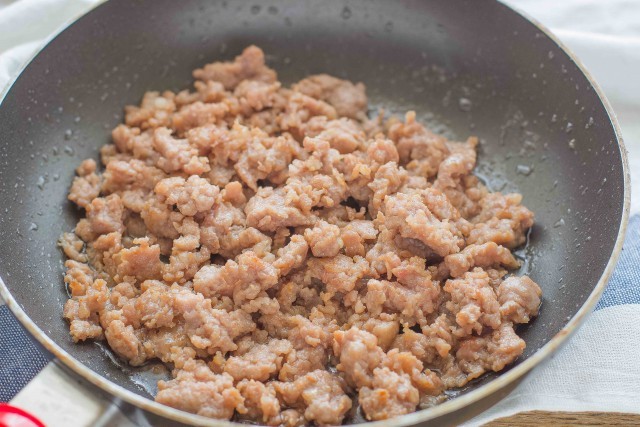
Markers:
(34, 20)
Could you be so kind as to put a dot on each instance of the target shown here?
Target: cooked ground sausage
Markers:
(291, 258)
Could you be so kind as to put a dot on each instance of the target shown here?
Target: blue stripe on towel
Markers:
(624, 285)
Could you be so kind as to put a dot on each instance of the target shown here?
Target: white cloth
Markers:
(590, 373)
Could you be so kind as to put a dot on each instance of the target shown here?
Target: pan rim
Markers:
(459, 403)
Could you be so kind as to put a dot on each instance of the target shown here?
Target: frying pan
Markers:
(468, 67)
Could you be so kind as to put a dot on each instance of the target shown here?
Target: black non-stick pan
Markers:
(468, 67)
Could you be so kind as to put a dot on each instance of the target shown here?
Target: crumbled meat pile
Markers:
(291, 259)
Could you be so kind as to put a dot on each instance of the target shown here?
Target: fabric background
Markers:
(598, 370)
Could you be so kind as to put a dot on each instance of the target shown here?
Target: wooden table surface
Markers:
(543, 418)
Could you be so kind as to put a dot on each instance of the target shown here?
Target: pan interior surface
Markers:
(543, 129)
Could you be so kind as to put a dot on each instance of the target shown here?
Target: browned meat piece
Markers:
(208, 328)
(474, 302)
(177, 154)
(261, 362)
(426, 216)
(88, 299)
(248, 66)
(389, 395)
(316, 181)
(302, 361)
(292, 256)
(190, 236)
(104, 251)
(260, 402)
(272, 209)
(320, 393)
(184, 264)
(341, 215)
(243, 280)
(317, 177)
(141, 261)
(339, 273)
(199, 114)
(299, 110)
(73, 247)
(519, 298)
(454, 179)
(414, 296)
(426, 381)
(417, 344)
(385, 328)
(159, 218)
(170, 345)
(458, 164)
(267, 158)
(344, 135)
(324, 239)
(191, 196)
(106, 214)
(381, 151)
(502, 220)
(290, 418)
(355, 235)
(390, 384)
(466, 196)
(82, 330)
(208, 91)
(420, 150)
(484, 255)
(154, 111)
(121, 176)
(153, 308)
(224, 229)
(413, 305)
(197, 389)
(389, 178)
(132, 141)
(311, 340)
(255, 95)
(491, 352)
(385, 254)
(359, 355)
(220, 144)
(86, 186)
(440, 335)
(348, 99)
(124, 341)
(284, 254)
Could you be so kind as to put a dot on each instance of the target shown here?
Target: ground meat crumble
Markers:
(289, 258)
